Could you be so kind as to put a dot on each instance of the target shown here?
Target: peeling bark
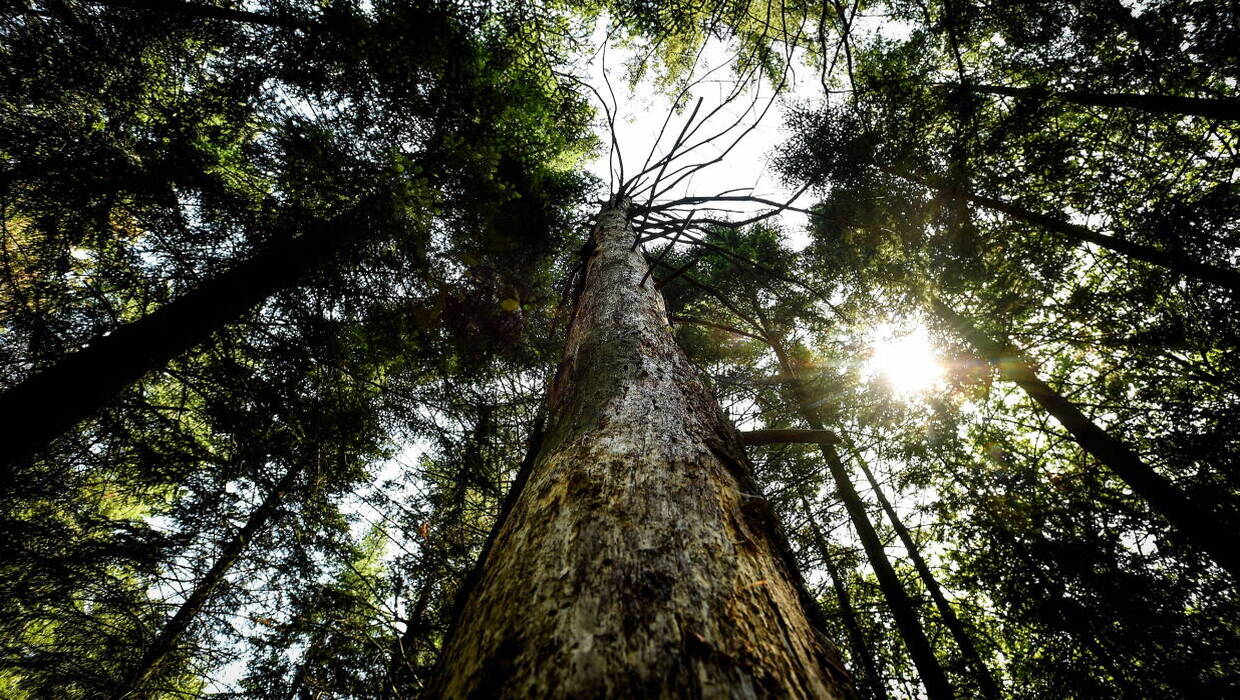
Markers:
(637, 559)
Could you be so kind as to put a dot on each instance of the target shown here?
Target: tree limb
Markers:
(779, 437)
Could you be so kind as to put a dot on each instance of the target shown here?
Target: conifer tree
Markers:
(328, 369)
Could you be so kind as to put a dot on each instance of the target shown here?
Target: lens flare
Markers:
(906, 362)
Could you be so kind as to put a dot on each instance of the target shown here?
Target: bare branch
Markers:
(711, 324)
(778, 437)
(665, 251)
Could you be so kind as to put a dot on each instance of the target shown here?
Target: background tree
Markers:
(299, 496)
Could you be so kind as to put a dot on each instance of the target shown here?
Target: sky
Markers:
(642, 109)
(903, 356)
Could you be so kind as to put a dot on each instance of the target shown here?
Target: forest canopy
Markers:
(394, 348)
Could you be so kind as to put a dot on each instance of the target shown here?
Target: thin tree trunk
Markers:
(856, 638)
(932, 675)
(1169, 260)
(402, 673)
(166, 642)
(637, 558)
(989, 687)
(49, 403)
(1213, 534)
(1210, 108)
(783, 437)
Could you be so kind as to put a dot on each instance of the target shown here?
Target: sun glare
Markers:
(907, 362)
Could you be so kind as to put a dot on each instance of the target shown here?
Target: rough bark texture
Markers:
(1196, 521)
(637, 558)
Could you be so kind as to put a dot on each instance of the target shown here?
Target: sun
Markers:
(905, 361)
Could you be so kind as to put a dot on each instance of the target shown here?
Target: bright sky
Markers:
(904, 359)
(641, 112)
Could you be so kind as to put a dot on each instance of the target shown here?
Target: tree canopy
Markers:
(284, 287)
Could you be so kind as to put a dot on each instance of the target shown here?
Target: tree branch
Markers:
(779, 437)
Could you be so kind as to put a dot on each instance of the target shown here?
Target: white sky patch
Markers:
(905, 359)
(747, 163)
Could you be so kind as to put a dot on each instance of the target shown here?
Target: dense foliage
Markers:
(335, 243)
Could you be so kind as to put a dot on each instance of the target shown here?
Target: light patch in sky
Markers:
(906, 361)
(745, 164)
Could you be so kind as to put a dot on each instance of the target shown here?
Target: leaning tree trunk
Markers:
(1172, 260)
(207, 11)
(1222, 108)
(1195, 521)
(902, 609)
(637, 558)
(986, 680)
(50, 402)
(848, 614)
(403, 671)
(169, 637)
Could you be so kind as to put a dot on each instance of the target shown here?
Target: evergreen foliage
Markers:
(283, 286)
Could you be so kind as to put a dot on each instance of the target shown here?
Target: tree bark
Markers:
(1211, 108)
(637, 558)
(932, 675)
(1169, 260)
(1196, 522)
(166, 642)
(856, 638)
(986, 681)
(49, 403)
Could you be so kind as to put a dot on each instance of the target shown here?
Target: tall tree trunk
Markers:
(230, 553)
(637, 558)
(53, 400)
(932, 675)
(403, 670)
(856, 638)
(1196, 522)
(1210, 108)
(989, 687)
(1170, 260)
